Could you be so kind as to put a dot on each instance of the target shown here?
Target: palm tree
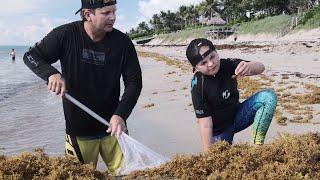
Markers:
(143, 27)
(156, 23)
(182, 13)
(191, 15)
(214, 6)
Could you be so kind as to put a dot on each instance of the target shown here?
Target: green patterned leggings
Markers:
(257, 110)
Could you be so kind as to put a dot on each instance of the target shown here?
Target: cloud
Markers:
(148, 8)
(27, 30)
(26, 22)
(22, 6)
(123, 23)
(35, 32)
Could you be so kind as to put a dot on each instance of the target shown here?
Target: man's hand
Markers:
(57, 84)
(117, 126)
(242, 69)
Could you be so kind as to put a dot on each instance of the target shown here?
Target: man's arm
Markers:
(39, 59)
(38, 64)
(132, 78)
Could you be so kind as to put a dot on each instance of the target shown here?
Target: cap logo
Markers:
(206, 53)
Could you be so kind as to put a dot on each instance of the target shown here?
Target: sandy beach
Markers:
(164, 117)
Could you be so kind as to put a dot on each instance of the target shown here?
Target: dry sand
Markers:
(164, 117)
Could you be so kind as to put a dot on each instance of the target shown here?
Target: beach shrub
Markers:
(311, 17)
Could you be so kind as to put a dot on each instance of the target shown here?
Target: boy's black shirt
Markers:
(217, 96)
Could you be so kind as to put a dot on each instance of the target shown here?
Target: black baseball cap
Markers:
(193, 48)
(93, 4)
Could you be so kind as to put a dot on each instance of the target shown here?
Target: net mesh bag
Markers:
(137, 156)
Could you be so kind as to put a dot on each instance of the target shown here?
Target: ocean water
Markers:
(30, 116)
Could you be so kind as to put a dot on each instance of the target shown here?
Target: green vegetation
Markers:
(213, 12)
(269, 25)
(311, 19)
(143, 37)
(184, 34)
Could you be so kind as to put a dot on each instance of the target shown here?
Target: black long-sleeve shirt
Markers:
(217, 96)
(92, 71)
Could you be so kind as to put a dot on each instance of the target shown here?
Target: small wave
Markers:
(10, 90)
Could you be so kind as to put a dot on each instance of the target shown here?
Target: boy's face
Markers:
(210, 65)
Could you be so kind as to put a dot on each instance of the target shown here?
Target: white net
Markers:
(137, 156)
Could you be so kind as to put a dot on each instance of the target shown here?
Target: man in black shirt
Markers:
(215, 96)
(93, 57)
(13, 55)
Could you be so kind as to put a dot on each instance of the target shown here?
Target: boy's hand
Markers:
(242, 69)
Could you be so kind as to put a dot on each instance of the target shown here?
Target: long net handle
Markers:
(93, 114)
(89, 111)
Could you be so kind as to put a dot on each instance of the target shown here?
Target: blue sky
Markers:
(24, 22)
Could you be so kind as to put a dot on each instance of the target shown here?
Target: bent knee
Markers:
(268, 96)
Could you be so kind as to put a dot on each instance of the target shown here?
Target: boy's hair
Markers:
(193, 49)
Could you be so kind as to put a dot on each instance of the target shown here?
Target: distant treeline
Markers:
(231, 11)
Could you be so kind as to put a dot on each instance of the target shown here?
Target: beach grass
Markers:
(181, 36)
(268, 25)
